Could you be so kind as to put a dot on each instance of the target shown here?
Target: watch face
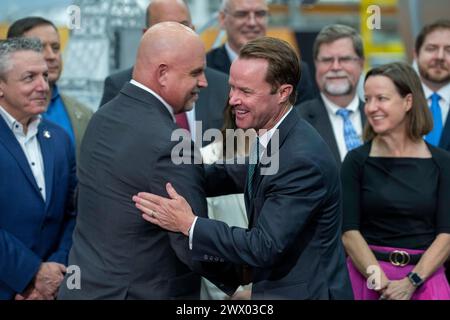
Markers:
(415, 279)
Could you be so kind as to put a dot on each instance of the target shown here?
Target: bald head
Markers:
(171, 62)
(168, 10)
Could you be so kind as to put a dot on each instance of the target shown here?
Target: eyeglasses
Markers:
(343, 61)
(244, 15)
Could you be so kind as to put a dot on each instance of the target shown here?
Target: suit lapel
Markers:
(361, 112)
(10, 142)
(272, 152)
(319, 117)
(45, 137)
(445, 137)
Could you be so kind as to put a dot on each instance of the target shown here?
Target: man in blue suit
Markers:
(37, 169)
(292, 248)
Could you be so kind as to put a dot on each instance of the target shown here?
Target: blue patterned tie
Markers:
(435, 135)
(352, 140)
(254, 159)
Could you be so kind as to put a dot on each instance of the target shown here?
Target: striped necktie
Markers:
(253, 163)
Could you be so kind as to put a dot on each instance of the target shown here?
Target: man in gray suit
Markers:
(127, 148)
(211, 103)
(338, 114)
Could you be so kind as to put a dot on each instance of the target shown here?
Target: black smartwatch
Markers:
(415, 279)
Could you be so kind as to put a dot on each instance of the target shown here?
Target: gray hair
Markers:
(9, 46)
(335, 32)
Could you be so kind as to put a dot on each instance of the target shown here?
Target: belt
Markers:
(398, 258)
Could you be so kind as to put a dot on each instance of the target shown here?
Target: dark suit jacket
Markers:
(444, 143)
(293, 243)
(32, 230)
(127, 149)
(315, 112)
(208, 108)
(218, 59)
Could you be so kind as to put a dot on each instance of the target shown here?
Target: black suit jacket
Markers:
(127, 149)
(209, 107)
(444, 143)
(218, 59)
(316, 114)
(293, 244)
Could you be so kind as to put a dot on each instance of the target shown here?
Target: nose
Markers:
(233, 98)
(202, 82)
(370, 106)
(336, 65)
(251, 18)
(49, 54)
(441, 53)
(42, 84)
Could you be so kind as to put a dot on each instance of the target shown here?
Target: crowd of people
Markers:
(301, 196)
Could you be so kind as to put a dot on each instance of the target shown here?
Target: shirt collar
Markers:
(16, 126)
(333, 108)
(231, 53)
(444, 92)
(168, 107)
(265, 138)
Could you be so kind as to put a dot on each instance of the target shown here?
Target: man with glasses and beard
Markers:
(338, 113)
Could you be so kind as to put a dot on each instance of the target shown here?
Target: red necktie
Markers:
(182, 121)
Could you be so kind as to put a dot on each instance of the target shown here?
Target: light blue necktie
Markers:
(435, 135)
(254, 159)
(352, 140)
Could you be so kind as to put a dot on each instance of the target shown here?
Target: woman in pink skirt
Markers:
(395, 195)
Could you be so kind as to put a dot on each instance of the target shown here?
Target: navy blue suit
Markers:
(293, 245)
(32, 230)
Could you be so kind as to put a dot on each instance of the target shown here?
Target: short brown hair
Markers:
(426, 30)
(335, 32)
(284, 64)
(406, 81)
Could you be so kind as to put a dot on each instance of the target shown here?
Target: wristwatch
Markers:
(415, 279)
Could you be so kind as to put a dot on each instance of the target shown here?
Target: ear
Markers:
(284, 91)
(163, 74)
(408, 102)
(222, 19)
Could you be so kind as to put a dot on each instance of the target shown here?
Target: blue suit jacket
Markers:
(33, 231)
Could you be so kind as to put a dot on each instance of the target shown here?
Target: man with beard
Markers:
(432, 53)
(338, 113)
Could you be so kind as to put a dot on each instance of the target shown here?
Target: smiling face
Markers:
(338, 68)
(385, 108)
(433, 58)
(244, 20)
(24, 89)
(250, 95)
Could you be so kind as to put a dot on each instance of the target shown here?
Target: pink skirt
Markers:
(435, 288)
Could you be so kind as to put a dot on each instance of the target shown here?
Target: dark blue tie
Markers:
(351, 138)
(254, 159)
(435, 135)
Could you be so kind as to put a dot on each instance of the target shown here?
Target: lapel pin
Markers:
(47, 134)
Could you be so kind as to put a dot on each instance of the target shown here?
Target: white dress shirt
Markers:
(168, 107)
(264, 142)
(444, 102)
(337, 122)
(30, 146)
(190, 115)
(230, 52)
